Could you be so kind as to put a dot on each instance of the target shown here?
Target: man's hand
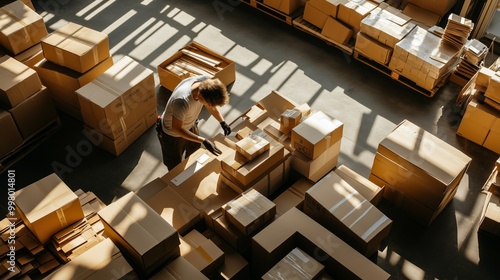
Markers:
(225, 127)
(211, 147)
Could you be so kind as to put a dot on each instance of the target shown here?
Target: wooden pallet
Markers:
(273, 12)
(398, 77)
(29, 145)
(307, 27)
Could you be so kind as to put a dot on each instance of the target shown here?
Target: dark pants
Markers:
(173, 148)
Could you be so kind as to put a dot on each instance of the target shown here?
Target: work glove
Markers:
(211, 147)
(225, 127)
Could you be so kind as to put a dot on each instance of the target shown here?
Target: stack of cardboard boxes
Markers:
(25, 105)
(471, 61)
(490, 216)
(120, 104)
(74, 56)
(421, 172)
(426, 13)
(21, 30)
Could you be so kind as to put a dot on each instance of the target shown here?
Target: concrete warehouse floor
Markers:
(271, 55)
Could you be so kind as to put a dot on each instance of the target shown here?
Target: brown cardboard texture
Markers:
(316, 134)
(333, 203)
(179, 268)
(31, 56)
(20, 27)
(373, 49)
(477, 122)
(125, 91)
(48, 206)
(76, 47)
(296, 229)
(18, 82)
(252, 146)
(421, 17)
(232, 235)
(140, 233)
(201, 252)
(314, 15)
(388, 26)
(285, 6)
(438, 7)
(249, 211)
(289, 119)
(11, 138)
(170, 205)
(337, 31)
(276, 103)
(490, 221)
(329, 7)
(493, 90)
(314, 169)
(287, 200)
(492, 141)
(273, 129)
(362, 185)
(296, 264)
(352, 13)
(103, 261)
(39, 105)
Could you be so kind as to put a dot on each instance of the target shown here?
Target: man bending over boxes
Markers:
(178, 125)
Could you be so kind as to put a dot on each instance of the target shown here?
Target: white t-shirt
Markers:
(182, 105)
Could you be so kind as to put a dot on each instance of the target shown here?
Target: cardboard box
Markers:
(231, 234)
(493, 89)
(275, 104)
(48, 206)
(437, 7)
(492, 141)
(369, 190)
(179, 268)
(63, 82)
(18, 82)
(329, 7)
(273, 129)
(296, 229)
(285, 6)
(103, 261)
(316, 134)
(289, 119)
(314, 169)
(336, 205)
(11, 137)
(477, 121)
(336, 31)
(118, 98)
(373, 49)
(287, 200)
(314, 15)
(170, 205)
(140, 233)
(20, 27)
(353, 12)
(252, 146)
(483, 77)
(249, 211)
(423, 18)
(76, 47)
(39, 105)
(296, 264)
(31, 56)
(225, 69)
(490, 218)
(201, 252)
(388, 26)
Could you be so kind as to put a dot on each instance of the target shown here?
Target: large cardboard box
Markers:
(285, 6)
(11, 137)
(369, 190)
(336, 31)
(201, 252)
(179, 268)
(353, 12)
(48, 206)
(20, 27)
(477, 121)
(219, 67)
(231, 234)
(492, 141)
(422, 17)
(39, 105)
(249, 211)
(373, 49)
(63, 82)
(336, 205)
(438, 7)
(316, 134)
(388, 26)
(31, 56)
(140, 233)
(103, 261)
(329, 7)
(76, 47)
(296, 229)
(17, 82)
(314, 15)
(117, 98)
(297, 265)
(170, 205)
(314, 169)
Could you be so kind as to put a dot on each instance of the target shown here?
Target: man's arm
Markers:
(214, 111)
(184, 133)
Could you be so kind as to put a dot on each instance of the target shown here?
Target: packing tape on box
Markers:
(375, 226)
(354, 208)
(204, 254)
(109, 88)
(297, 267)
(61, 217)
(2, 10)
(237, 207)
(251, 198)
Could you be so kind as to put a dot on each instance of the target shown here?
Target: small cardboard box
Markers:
(39, 105)
(316, 134)
(140, 233)
(11, 138)
(249, 211)
(273, 129)
(477, 121)
(179, 268)
(373, 49)
(493, 89)
(48, 206)
(18, 82)
(31, 56)
(314, 15)
(352, 13)
(219, 67)
(285, 6)
(490, 219)
(76, 47)
(103, 261)
(201, 252)
(336, 31)
(297, 265)
(252, 146)
(20, 27)
(118, 98)
(314, 169)
(289, 119)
